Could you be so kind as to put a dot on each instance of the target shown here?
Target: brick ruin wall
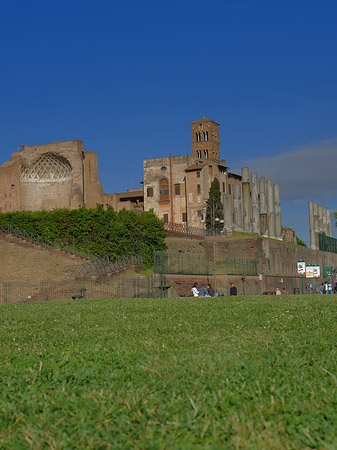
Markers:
(277, 262)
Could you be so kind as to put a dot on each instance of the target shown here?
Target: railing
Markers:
(121, 287)
(49, 243)
(104, 266)
(195, 231)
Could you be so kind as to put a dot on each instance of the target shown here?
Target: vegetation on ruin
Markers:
(244, 372)
(300, 242)
(103, 232)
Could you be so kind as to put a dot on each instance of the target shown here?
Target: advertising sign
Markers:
(309, 271)
(301, 267)
(316, 271)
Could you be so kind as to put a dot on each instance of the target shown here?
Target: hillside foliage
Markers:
(103, 232)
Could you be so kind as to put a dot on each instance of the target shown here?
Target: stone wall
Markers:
(277, 262)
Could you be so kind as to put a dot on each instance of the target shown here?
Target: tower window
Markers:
(198, 189)
(206, 154)
(199, 153)
(149, 192)
(198, 174)
(164, 191)
(206, 136)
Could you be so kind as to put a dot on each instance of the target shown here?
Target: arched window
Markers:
(164, 189)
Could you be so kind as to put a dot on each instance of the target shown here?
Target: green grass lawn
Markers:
(244, 372)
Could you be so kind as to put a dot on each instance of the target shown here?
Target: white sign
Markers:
(309, 271)
(301, 267)
(316, 271)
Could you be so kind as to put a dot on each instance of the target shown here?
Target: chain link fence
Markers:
(196, 264)
(327, 243)
(121, 287)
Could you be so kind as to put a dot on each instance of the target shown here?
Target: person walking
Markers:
(233, 289)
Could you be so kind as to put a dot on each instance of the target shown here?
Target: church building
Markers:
(177, 187)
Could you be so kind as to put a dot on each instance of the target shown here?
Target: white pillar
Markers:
(277, 204)
(237, 207)
(263, 207)
(270, 204)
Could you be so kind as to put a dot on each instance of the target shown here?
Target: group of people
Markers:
(208, 291)
(324, 288)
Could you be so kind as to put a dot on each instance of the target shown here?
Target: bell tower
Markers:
(205, 140)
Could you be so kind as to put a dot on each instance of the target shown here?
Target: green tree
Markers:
(300, 242)
(214, 209)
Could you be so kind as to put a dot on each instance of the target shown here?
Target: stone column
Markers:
(270, 204)
(324, 227)
(320, 219)
(316, 222)
(228, 212)
(255, 205)
(237, 207)
(329, 222)
(263, 207)
(246, 203)
(277, 204)
(313, 245)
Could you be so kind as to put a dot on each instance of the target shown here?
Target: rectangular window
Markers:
(223, 187)
(198, 174)
(165, 218)
(177, 189)
(149, 192)
(184, 217)
(210, 170)
(198, 189)
(229, 189)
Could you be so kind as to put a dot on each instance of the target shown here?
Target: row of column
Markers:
(319, 222)
(253, 207)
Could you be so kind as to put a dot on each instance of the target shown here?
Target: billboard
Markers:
(301, 267)
(312, 271)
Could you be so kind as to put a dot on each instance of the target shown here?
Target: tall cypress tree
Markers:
(215, 206)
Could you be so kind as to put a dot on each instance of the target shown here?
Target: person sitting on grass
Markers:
(203, 292)
(210, 290)
(194, 290)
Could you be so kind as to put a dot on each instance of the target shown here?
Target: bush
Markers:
(104, 232)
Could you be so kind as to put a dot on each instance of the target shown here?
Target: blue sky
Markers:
(129, 77)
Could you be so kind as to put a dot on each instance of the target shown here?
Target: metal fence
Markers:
(104, 266)
(121, 287)
(327, 243)
(188, 263)
(194, 231)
